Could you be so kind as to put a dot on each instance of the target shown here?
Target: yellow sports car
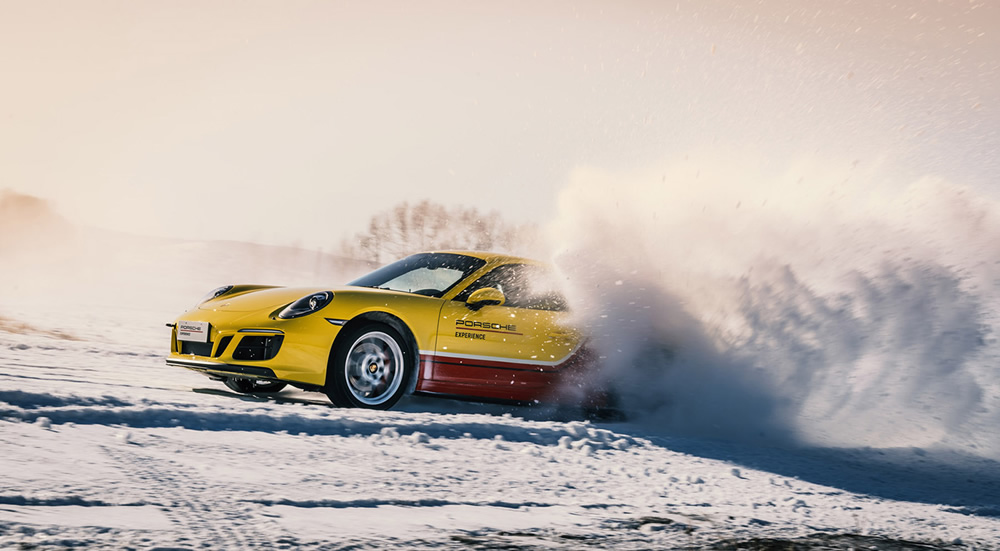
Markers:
(459, 324)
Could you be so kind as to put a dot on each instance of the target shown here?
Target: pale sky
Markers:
(294, 122)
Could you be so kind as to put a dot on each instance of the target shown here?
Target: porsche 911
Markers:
(455, 324)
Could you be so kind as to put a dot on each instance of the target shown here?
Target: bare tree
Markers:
(405, 229)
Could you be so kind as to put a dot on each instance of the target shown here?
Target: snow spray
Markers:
(820, 303)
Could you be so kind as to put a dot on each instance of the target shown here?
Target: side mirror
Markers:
(487, 296)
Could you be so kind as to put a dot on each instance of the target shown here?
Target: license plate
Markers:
(192, 331)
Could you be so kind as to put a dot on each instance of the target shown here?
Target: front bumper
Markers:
(224, 370)
(294, 351)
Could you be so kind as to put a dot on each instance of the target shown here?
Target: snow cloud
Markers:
(822, 303)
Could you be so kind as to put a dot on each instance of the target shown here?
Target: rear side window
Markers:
(523, 286)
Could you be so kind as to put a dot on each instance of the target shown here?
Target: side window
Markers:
(523, 286)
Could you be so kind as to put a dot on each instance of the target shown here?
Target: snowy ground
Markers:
(106, 447)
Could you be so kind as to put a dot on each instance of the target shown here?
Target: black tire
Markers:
(253, 386)
(370, 367)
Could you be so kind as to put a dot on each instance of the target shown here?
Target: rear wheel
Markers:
(253, 386)
(604, 406)
(369, 368)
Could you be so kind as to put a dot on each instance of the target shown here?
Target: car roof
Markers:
(493, 258)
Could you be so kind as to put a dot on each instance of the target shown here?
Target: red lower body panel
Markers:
(499, 380)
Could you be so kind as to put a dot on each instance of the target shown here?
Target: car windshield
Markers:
(428, 274)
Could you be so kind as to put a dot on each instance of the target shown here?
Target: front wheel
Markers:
(253, 386)
(369, 368)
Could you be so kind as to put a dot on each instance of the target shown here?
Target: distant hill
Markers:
(43, 254)
(27, 222)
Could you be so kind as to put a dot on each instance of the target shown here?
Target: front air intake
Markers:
(196, 348)
(256, 349)
(223, 344)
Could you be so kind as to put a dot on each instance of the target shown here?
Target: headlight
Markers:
(306, 305)
(215, 293)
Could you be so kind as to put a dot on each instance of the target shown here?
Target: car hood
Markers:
(259, 299)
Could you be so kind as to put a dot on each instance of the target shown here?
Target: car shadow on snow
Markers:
(420, 404)
(960, 482)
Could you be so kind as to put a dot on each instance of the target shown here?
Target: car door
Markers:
(518, 345)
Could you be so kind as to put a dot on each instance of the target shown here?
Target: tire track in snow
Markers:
(191, 504)
(376, 503)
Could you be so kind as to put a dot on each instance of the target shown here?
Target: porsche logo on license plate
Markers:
(192, 331)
